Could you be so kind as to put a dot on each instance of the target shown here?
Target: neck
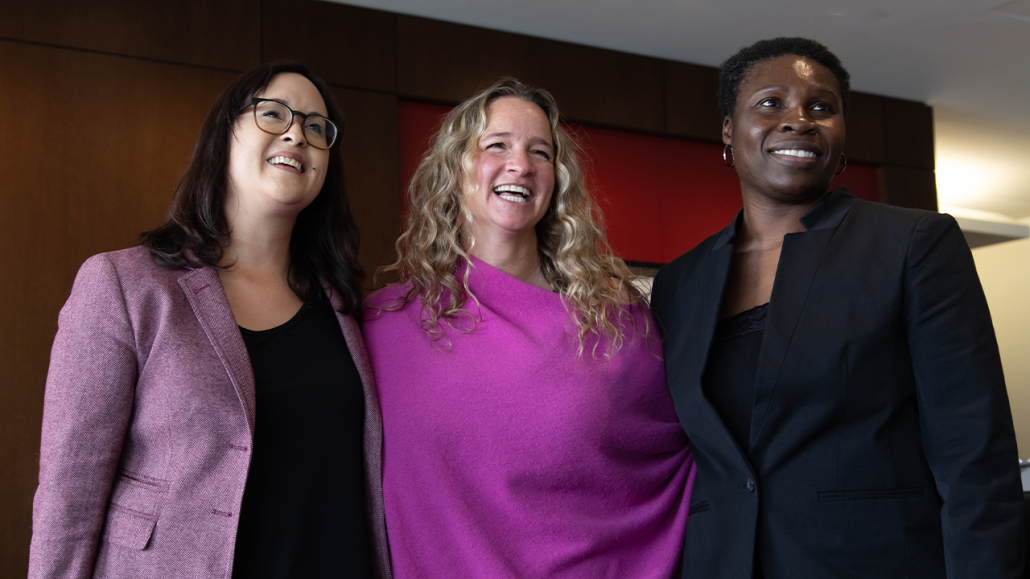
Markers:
(258, 242)
(515, 255)
(766, 221)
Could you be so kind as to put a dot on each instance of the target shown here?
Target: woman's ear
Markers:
(727, 130)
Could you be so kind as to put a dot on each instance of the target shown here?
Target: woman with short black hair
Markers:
(833, 361)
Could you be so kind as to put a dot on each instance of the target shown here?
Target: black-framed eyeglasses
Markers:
(275, 118)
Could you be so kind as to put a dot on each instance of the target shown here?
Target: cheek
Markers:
(321, 162)
(838, 133)
(484, 172)
(546, 178)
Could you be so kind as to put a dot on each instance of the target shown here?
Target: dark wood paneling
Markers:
(605, 87)
(449, 62)
(345, 45)
(908, 133)
(691, 104)
(90, 161)
(216, 33)
(865, 129)
(908, 187)
(371, 163)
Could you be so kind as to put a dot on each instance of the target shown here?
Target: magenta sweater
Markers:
(507, 455)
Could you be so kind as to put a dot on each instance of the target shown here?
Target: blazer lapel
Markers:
(373, 427)
(715, 274)
(204, 291)
(799, 262)
(356, 345)
(699, 327)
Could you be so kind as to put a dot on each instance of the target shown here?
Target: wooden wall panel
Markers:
(371, 164)
(908, 187)
(215, 33)
(100, 144)
(864, 142)
(691, 103)
(605, 87)
(908, 133)
(447, 62)
(344, 45)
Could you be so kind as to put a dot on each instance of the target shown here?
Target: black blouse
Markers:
(729, 378)
(303, 512)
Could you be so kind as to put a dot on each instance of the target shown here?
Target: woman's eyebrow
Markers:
(309, 113)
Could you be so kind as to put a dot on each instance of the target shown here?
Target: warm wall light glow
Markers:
(963, 181)
(981, 166)
(970, 178)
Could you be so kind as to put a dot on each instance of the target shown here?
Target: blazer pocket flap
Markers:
(903, 493)
(698, 507)
(128, 528)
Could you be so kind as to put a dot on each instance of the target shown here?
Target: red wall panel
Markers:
(660, 196)
(622, 173)
(702, 195)
(417, 123)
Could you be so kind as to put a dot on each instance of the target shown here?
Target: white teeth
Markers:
(796, 153)
(515, 198)
(281, 160)
(522, 191)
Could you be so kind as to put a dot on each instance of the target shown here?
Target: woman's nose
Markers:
(295, 132)
(520, 162)
(797, 120)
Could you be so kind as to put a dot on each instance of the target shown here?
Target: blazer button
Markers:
(751, 484)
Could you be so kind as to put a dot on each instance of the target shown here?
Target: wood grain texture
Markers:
(216, 33)
(908, 133)
(691, 104)
(446, 62)
(908, 187)
(345, 45)
(371, 166)
(98, 151)
(865, 140)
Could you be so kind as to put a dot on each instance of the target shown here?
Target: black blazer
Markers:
(881, 438)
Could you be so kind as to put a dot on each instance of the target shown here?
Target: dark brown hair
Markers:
(324, 243)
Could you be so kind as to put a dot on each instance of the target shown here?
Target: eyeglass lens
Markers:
(274, 117)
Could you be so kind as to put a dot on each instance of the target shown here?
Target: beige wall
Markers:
(1004, 270)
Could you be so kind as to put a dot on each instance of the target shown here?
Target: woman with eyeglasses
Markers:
(209, 408)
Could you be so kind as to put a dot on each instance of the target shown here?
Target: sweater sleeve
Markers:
(964, 412)
(86, 411)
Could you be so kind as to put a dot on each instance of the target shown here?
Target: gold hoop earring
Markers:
(844, 164)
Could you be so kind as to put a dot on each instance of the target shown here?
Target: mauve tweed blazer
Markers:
(147, 427)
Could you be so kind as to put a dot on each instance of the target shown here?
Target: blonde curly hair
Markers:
(575, 257)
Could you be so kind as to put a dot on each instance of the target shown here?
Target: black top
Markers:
(303, 512)
(729, 378)
(879, 387)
